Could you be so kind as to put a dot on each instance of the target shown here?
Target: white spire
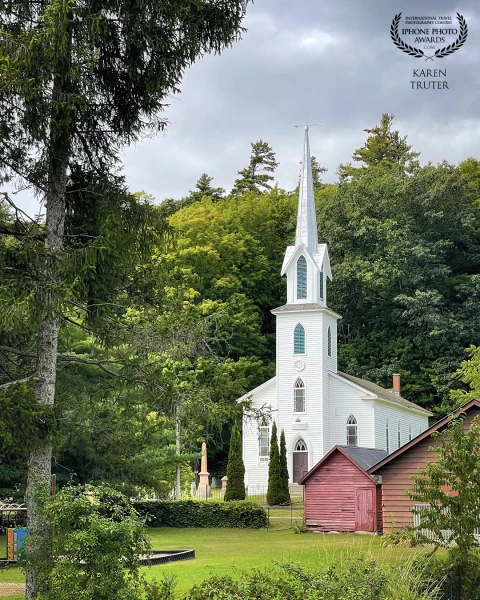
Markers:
(306, 219)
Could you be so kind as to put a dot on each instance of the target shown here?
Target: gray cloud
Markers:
(333, 60)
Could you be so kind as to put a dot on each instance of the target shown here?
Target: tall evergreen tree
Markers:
(275, 492)
(384, 148)
(77, 82)
(283, 466)
(252, 179)
(204, 187)
(317, 171)
(235, 468)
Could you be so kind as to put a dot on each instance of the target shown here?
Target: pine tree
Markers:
(317, 171)
(235, 468)
(204, 187)
(383, 148)
(283, 466)
(275, 493)
(251, 179)
(78, 81)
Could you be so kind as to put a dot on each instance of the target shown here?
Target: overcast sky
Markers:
(331, 59)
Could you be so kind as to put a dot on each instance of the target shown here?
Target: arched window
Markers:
(409, 432)
(352, 431)
(387, 437)
(329, 341)
(399, 435)
(299, 396)
(299, 339)
(321, 285)
(301, 278)
(300, 446)
(263, 442)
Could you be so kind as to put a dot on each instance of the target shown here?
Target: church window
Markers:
(299, 396)
(387, 437)
(329, 342)
(352, 431)
(301, 278)
(299, 339)
(321, 285)
(410, 432)
(399, 435)
(263, 442)
(300, 446)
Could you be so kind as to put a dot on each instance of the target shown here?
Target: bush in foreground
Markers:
(96, 548)
(194, 513)
(348, 579)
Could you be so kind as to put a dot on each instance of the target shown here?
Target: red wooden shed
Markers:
(397, 468)
(339, 493)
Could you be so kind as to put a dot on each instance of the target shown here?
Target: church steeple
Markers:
(306, 233)
(306, 264)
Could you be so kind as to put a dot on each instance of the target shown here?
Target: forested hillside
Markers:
(166, 311)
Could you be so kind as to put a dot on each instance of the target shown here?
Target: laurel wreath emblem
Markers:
(417, 52)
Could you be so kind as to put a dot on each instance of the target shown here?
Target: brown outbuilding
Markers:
(340, 495)
(395, 470)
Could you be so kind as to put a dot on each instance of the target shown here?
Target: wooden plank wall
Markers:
(330, 494)
(396, 480)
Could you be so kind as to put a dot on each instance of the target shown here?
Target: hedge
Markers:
(195, 513)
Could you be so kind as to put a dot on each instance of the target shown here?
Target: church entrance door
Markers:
(300, 461)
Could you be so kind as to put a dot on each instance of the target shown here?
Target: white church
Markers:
(315, 404)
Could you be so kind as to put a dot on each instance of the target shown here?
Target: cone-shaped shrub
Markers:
(283, 466)
(275, 493)
(235, 468)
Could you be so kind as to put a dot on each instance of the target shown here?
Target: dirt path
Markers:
(11, 589)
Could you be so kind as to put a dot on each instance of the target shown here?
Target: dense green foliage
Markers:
(469, 374)
(189, 324)
(96, 548)
(192, 513)
(235, 468)
(348, 579)
(276, 492)
(449, 486)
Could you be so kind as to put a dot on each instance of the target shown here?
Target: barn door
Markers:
(364, 509)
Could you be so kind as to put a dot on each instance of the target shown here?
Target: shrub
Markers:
(96, 548)
(354, 578)
(194, 513)
(235, 469)
(276, 492)
(284, 467)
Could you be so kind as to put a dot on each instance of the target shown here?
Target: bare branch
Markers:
(4, 386)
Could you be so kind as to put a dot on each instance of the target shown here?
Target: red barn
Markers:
(339, 493)
(397, 468)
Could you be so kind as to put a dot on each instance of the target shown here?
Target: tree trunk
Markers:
(39, 464)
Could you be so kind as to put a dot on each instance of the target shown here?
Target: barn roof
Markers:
(383, 393)
(362, 458)
(435, 427)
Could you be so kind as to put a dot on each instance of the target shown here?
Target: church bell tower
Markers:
(306, 337)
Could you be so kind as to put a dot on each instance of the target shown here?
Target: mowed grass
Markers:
(229, 551)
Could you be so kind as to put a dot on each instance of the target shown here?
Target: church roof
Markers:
(383, 393)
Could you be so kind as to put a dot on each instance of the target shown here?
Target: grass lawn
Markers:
(226, 551)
